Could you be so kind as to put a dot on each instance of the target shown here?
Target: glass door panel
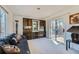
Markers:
(57, 30)
(60, 31)
(34, 26)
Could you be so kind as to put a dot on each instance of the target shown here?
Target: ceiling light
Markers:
(38, 8)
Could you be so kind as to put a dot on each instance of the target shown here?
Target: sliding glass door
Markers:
(58, 30)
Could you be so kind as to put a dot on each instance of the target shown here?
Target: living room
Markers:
(41, 25)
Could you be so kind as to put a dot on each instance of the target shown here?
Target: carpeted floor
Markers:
(46, 46)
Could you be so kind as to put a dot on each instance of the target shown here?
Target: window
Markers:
(3, 18)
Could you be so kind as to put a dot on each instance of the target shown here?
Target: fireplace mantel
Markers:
(74, 29)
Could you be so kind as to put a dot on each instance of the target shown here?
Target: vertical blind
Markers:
(3, 19)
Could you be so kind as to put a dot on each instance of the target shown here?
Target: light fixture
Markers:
(38, 8)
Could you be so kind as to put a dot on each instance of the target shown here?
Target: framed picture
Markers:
(74, 18)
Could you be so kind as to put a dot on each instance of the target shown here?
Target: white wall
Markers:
(10, 24)
(47, 28)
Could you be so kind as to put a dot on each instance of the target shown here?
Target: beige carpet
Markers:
(46, 46)
(33, 48)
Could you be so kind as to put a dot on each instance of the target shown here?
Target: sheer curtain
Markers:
(3, 18)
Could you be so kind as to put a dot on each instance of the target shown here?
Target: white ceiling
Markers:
(31, 11)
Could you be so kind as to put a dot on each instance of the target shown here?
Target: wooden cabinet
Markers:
(42, 23)
(27, 28)
(27, 22)
(42, 28)
(34, 29)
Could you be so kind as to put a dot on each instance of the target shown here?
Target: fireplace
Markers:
(74, 34)
(75, 38)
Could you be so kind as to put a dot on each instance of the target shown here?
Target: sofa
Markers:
(17, 40)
